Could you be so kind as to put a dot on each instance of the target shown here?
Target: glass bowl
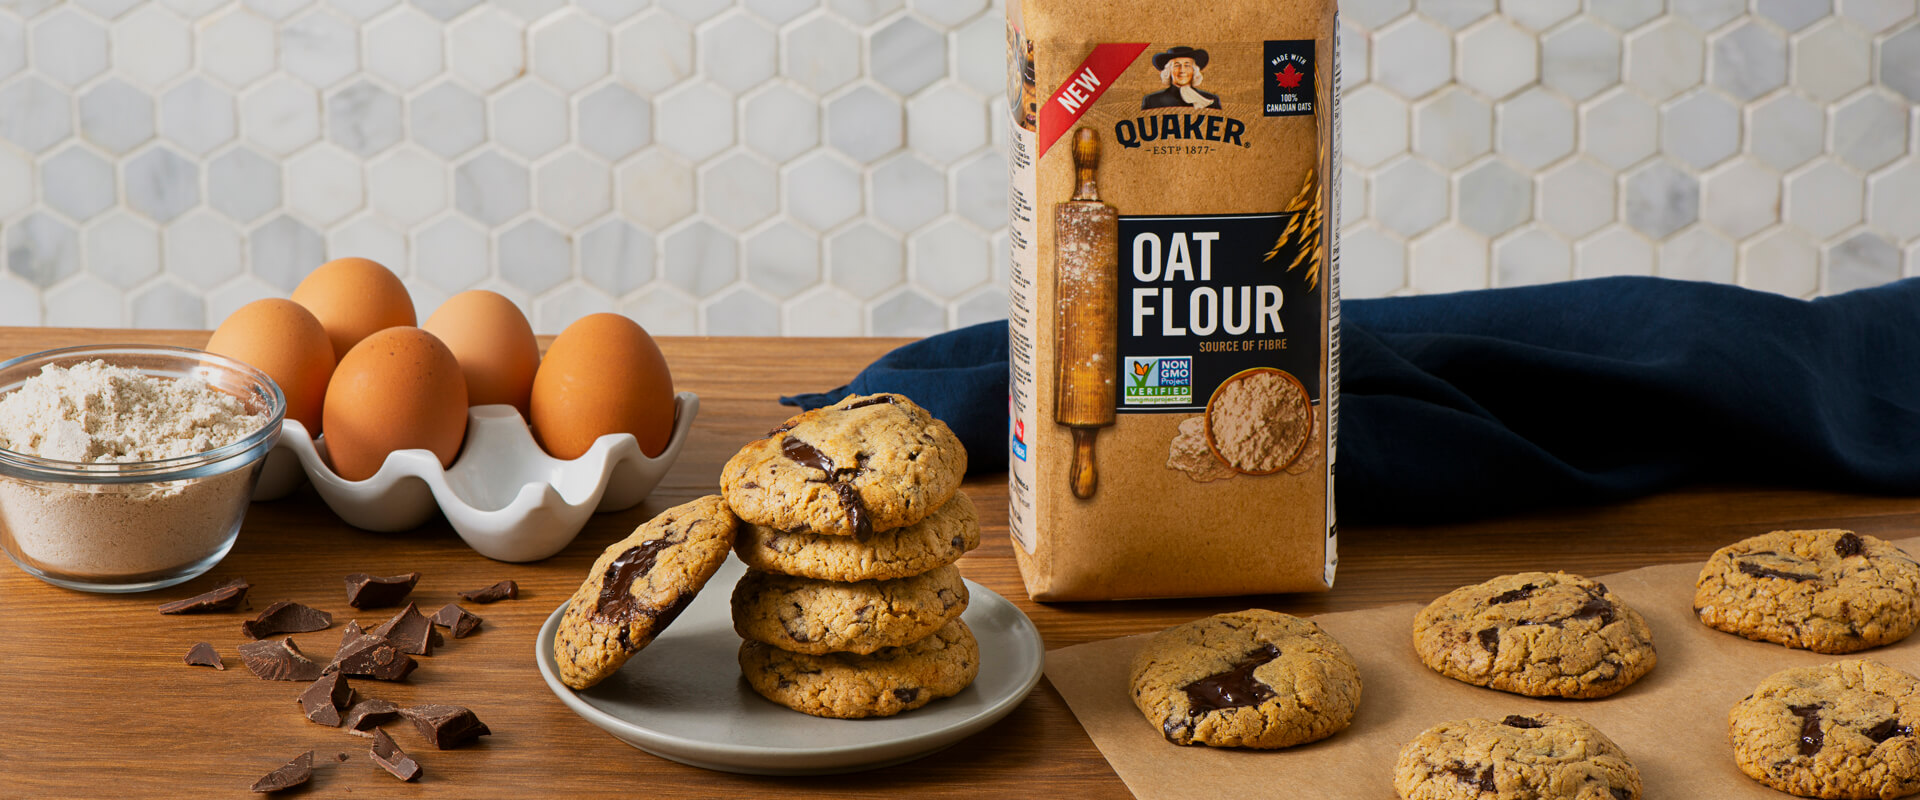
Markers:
(141, 525)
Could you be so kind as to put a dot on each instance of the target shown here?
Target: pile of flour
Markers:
(98, 413)
(118, 533)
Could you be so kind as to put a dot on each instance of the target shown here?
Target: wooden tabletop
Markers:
(95, 699)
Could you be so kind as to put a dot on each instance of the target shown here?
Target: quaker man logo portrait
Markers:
(1180, 69)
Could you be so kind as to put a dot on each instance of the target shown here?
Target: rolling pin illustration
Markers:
(1086, 235)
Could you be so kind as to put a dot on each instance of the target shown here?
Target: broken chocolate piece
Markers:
(504, 590)
(373, 656)
(278, 660)
(366, 716)
(392, 759)
(296, 772)
(351, 632)
(286, 616)
(367, 591)
(1236, 687)
(221, 598)
(203, 655)
(1517, 721)
(446, 726)
(324, 700)
(410, 631)
(1849, 544)
(461, 621)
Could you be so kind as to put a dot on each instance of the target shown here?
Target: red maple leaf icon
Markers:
(1289, 78)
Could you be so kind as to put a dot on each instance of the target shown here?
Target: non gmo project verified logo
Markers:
(1159, 381)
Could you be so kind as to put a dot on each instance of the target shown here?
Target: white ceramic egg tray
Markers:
(506, 497)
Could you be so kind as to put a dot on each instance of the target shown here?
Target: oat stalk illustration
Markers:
(1303, 229)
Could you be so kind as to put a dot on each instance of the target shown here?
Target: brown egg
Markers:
(281, 338)
(352, 298)
(396, 390)
(602, 375)
(493, 343)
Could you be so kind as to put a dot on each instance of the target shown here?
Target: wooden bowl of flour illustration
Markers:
(1259, 420)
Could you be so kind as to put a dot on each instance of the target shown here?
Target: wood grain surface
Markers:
(96, 701)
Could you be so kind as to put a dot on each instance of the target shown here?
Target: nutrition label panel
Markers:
(1024, 297)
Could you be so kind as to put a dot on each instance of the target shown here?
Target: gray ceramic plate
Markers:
(682, 698)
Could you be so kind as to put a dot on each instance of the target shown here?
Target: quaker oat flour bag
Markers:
(1175, 299)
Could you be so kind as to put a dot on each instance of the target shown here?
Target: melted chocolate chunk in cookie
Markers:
(1513, 595)
(1888, 729)
(1236, 687)
(1811, 739)
(1848, 545)
(1517, 721)
(807, 455)
(1481, 779)
(1758, 571)
(617, 605)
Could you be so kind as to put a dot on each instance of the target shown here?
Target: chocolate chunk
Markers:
(907, 695)
(1768, 572)
(617, 604)
(1517, 721)
(1849, 544)
(806, 455)
(367, 591)
(1512, 595)
(1236, 687)
(872, 401)
(367, 715)
(504, 590)
(856, 509)
(1178, 730)
(296, 772)
(221, 598)
(1887, 730)
(1490, 639)
(278, 660)
(1619, 793)
(1595, 608)
(392, 759)
(410, 631)
(203, 655)
(1811, 739)
(286, 616)
(446, 726)
(373, 656)
(326, 698)
(1482, 779)
(461, 621)
(351, 632)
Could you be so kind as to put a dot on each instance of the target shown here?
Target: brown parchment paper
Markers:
(1672, 723)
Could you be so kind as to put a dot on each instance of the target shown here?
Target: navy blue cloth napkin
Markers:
(1480, 403)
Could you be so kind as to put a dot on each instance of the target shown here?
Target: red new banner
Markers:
(1083, 86)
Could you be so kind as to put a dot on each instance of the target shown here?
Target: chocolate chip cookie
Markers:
(1838, 730)
(864, 464)
(807, 615)
(1253, 678)
(1829, 591)
(880, 684)
(638, 586)
(931, 543)
(1521, 757)
(1542, 634)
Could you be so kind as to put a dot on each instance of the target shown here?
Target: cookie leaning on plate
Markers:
(1838, 730)
(1543, 634)
(852, 686)
(938, 540)
(861, 465)
(1521, 757)
(1829, 591)
(805, 615)
(1253, 678)
(638, 586)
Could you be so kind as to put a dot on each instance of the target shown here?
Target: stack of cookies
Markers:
(852, 520)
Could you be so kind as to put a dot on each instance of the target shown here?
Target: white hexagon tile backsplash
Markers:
(835, 167)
